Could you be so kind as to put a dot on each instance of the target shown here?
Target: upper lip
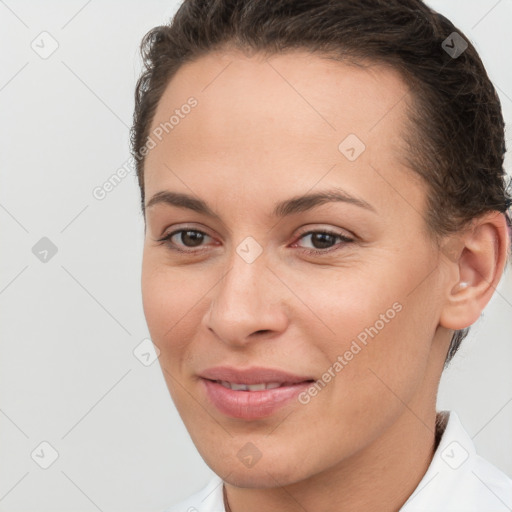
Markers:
(252, 375)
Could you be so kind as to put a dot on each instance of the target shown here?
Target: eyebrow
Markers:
(296, 204)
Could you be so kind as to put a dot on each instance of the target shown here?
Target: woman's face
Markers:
(238, 288)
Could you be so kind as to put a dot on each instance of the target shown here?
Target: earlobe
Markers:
(478, 267)
(461, 285)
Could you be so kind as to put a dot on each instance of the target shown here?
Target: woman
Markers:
(326, 215)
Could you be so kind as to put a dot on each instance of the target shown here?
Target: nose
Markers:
(247, 304)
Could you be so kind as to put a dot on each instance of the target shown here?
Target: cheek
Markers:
(164, 301)
(374, 366)
(376, 326)
(172, 304)
(350, 304)
(156, 300)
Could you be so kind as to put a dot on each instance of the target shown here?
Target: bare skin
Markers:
(263, 132)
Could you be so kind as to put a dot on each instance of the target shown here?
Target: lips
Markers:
(253, 375)
(250, 387)
(252, 393)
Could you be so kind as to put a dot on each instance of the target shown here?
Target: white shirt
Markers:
(457, 480)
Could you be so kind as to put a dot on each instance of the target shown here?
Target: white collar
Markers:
(457, 480)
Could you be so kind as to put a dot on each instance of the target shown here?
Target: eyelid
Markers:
(334, 232)
(166, 238)
(343, 241)
(325, 229)
(186, 227)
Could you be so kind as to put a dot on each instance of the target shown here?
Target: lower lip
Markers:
(251, 405)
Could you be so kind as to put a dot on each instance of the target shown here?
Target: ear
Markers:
(476, 258)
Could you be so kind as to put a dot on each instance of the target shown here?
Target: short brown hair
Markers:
(457, 140)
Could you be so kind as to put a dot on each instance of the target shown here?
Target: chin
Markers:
(265, 474)
(259, 479)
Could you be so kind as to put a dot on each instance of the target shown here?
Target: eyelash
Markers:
(166, 240)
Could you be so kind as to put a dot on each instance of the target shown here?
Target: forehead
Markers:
(275, 119)
(298, 90)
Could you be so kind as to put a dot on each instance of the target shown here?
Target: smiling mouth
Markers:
(257, 387)
(259, 398)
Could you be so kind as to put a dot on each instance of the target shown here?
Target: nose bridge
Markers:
(243, 301)
(242, 290)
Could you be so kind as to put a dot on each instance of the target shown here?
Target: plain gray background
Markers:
(69, 326)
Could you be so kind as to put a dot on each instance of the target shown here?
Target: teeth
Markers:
(239, 387)
(250, 387)
(255, 387)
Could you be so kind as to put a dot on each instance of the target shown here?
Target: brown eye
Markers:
(188, 238)
(324, 241)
